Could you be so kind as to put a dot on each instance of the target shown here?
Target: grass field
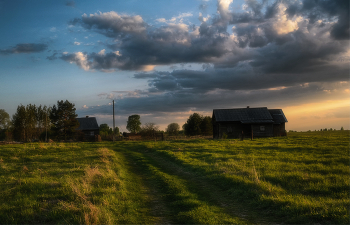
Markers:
(302, 178)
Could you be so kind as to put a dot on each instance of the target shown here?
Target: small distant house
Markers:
(89, 127)
(261, 122)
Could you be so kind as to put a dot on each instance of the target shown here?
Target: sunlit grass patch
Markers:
(60, 183)
(186, 205)
(303, 178)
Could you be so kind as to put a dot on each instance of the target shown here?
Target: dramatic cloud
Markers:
(25, 48)
(112, 24)
(282, 31)
(285, 51)
(149, 103)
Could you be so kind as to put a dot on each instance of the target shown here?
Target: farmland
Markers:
(302, 178)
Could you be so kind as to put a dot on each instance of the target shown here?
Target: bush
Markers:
(173, 129)
(224, 136)
(149, 130)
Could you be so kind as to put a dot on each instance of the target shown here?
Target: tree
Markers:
(149, 130)
(198, 125)
(42, 114)
(63, 118)
(193, 125)
(106, 132)
(44, 122)
(173, 129)
(207, 126)
(19, 123)
(133, 124)
(4, 119)
(30, 122)
(342, 128)
(5, 124)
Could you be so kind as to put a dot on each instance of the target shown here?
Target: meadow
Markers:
(299, 179)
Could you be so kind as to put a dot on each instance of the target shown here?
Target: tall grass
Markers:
(302, 178)
(67, 183)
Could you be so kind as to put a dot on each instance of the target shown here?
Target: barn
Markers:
(261, 122)
(89, 127)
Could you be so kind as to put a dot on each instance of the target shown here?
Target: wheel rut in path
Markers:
(211, 192)
(157, 206)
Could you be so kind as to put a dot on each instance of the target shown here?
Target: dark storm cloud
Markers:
(140, 44)
(162, 46)
(183, 101)
(278, 52)
(113, 24)
(329, 9)
(338, 10)
(313, 10)
(25, 48)
(239, 78)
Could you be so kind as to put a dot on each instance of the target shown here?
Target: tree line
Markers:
(41, 123)
(196, 125)
(33, 122)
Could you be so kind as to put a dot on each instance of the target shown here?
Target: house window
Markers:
(262, 128)
(92, 133)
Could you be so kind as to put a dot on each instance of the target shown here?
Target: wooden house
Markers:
(245, 122)
(88, 127)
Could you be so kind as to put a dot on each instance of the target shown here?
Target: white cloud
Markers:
(175, 19)
(282, 24)
(223, 8)
(77, 43)
(81, 60)
(102, 52)
(148, 68)
(161, 20)
(202, 18)
(112, 21)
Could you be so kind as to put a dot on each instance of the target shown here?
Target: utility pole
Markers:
(113, 122)
(46, 127)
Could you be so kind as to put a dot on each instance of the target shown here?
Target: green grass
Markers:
(68, 184)
(302, 178)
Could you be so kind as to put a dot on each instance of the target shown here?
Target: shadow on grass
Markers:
(248, 194)
(185, 205)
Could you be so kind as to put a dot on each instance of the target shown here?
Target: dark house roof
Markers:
(87, 123)
(249, 115)
(278, 116)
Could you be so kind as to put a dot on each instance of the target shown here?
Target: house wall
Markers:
(231, 129)
(89, 135)
(262, 130)
(235, 129)
(279, 129)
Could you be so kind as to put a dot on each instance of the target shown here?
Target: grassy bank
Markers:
(302, 178)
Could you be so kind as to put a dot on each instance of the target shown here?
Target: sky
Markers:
(165, 60)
